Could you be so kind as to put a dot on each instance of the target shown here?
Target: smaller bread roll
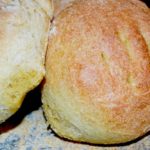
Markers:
(24, 26)
(97, 86)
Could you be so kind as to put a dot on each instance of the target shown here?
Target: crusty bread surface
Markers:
(24, 26)
(59, 5)
(97, 86)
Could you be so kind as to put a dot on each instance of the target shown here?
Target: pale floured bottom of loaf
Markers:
(17, 86)
(81, 130)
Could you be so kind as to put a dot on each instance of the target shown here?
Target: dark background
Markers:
(147, 2)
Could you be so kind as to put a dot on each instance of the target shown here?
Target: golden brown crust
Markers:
(59, 5)
(98, 71)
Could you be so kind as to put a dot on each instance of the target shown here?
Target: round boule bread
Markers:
(24, 27)
(97, 85)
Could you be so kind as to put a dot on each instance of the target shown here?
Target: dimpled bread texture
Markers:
(24, 26)
(97, 86)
